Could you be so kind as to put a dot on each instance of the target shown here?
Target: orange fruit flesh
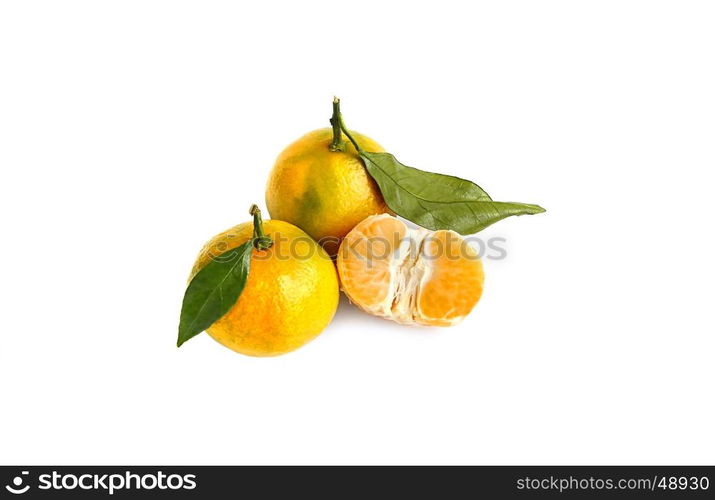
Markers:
(412, 276)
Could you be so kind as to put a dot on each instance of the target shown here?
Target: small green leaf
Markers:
(437, 201)
(214, 290)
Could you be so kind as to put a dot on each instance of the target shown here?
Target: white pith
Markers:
(409, 274)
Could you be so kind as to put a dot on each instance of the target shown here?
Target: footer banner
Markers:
(368, 482)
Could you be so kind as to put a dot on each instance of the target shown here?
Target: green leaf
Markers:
(428, 185)
(437, 201)
(214, 290)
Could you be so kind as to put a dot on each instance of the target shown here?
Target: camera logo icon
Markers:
(16, 488)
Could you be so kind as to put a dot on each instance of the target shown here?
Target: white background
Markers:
(131, 132)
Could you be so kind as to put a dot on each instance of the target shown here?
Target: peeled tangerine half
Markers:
(412, 276)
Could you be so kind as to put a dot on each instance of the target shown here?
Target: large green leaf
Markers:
(437, 201)
(214, 290)
(427, 185)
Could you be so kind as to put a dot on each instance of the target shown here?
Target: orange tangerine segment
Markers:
(412, 276)
(456, 283)
(366, 258)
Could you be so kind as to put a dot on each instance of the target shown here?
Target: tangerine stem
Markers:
(337, 144)
(260, 240)
(341, 122)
